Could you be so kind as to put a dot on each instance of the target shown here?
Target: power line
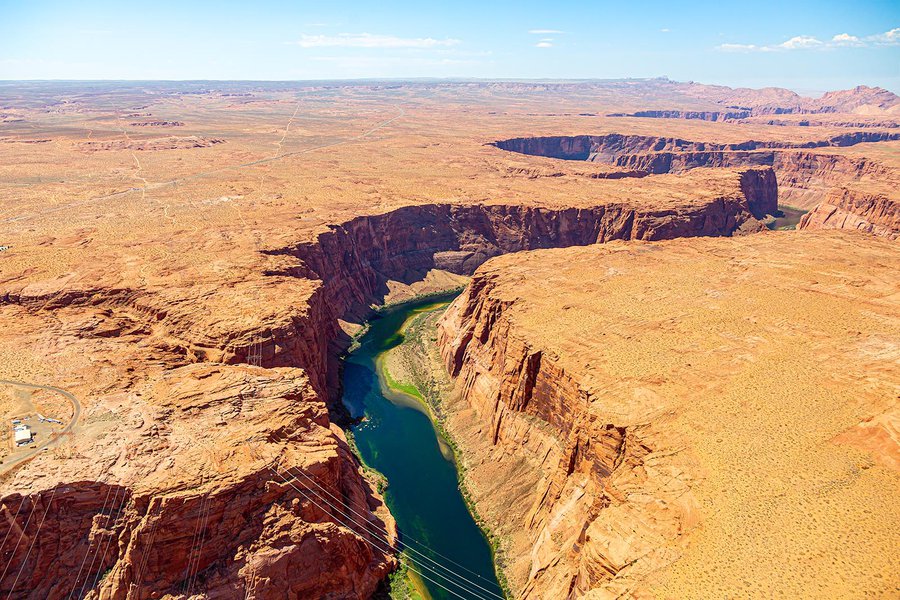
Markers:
(366, 540)
(84, 558)
(33, 540)
(19, 540)
(413, 550)
(110, 538)
(405, 536)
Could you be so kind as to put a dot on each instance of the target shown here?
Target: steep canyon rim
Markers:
(195, 295)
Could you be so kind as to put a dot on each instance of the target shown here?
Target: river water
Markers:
(447, 553)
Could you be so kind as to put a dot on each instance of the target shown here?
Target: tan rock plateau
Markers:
(702, 418)
(193, 288)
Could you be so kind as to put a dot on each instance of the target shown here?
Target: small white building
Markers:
(22, 435)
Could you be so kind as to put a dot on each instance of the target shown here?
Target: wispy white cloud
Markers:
(808, 42)
(888, 38)
(544, 44)
(543, 31)
(665, 30)
(370, 40)
(743, 48)
(845, 39)
(801, 42)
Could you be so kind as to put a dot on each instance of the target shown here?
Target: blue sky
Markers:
(801, 45)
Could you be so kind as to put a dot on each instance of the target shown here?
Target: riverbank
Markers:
(787, 218)
(395, 433)
(414, 367)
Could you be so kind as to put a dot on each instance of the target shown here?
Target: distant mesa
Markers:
(162, 143)
(157, 124)
(744, 103)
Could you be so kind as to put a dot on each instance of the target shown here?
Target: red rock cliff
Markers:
(190, 496)
(586, 522)
(846, 209)
(221, 494)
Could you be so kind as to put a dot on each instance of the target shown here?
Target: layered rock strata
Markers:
(848, 209)
(195, 487)
(252, 489)
(806, 176)
(355, 260)
(635, 385)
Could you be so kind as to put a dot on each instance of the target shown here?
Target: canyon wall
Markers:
(635, 388)
(805, 177)
(610, 147)
(605, 505)
(192, 496)
(213, 498)
(846, 209)
(355, 260)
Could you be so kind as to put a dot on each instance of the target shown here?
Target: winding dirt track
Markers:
(161, 184)
(76, 414)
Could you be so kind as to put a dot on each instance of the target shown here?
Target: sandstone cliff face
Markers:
(178, 506)
(639, 388)
(846, 209)
(235, 509)
(354, 261)
(590, 523)
(805, 177)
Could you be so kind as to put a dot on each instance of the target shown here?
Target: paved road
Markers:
(76, 414)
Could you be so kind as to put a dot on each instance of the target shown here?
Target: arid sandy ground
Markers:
(759, 374)
(155, 226)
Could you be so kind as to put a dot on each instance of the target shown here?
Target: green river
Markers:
(446, 553)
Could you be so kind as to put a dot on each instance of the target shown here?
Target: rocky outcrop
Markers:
(255, 486)
(157, 124)
(632, 384)
(587, 466)
(155, 144)
(355, 260)
(702, 115)
(845, 209)
(805, 176)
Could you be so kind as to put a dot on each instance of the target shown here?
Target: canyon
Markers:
(196, 294)
(806, 179)
(589, 372)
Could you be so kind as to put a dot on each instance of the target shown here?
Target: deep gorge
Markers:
(352, 263)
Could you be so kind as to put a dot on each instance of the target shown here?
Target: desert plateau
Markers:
(425, 339)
